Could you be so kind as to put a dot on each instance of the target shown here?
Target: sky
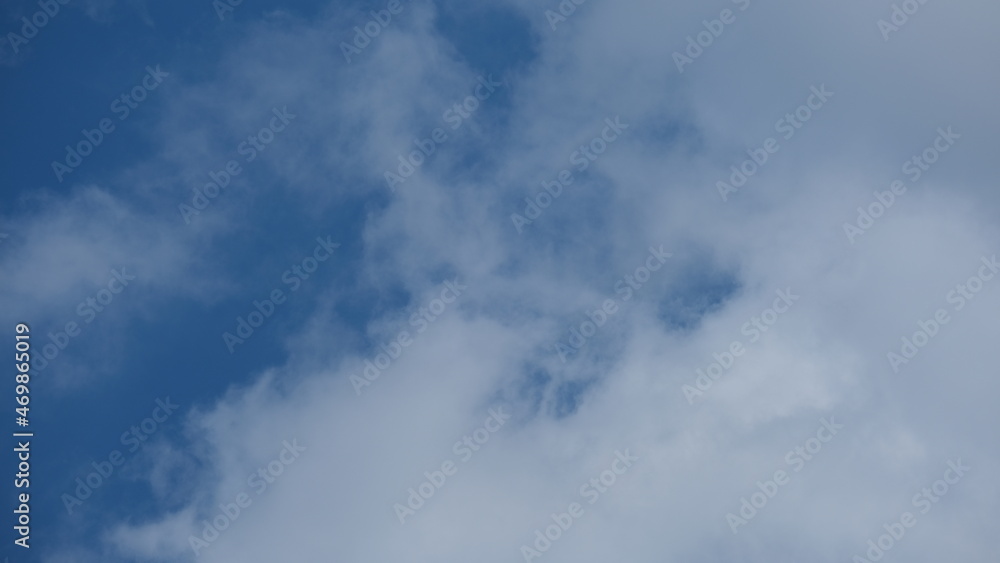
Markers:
(414, 280)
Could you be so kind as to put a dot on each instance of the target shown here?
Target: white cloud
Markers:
(826, 357)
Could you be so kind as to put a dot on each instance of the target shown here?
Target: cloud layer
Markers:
(805, 363)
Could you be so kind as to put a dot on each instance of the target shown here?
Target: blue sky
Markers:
(410, 319)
